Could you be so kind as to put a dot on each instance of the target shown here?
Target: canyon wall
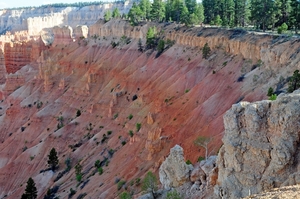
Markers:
(134, 106)
(35, 19)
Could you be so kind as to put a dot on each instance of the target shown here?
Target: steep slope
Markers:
(175, 97)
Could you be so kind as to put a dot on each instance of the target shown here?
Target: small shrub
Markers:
(137, 181)
(188, 162)
(125, 195)
(100, 170)
(130, 116)
(174, 195)
(97, 163)
(270, 92)
(79, 177)
(205, 51)
(116, 115)
(114, 44)
(138, 126)
(282, 29)
(78, 113)
(109, 132)
(273, 97)
(187, 90)
(72, 192)
(200, 158)
(130, 133)
(121, 184)
(161, 46)
(123, 143)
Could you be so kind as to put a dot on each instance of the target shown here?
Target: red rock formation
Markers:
(187, 95)
(62, 35)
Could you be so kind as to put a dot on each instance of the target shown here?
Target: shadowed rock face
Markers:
(261, 146)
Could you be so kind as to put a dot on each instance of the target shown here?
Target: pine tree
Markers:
(199, 12)
(145, 7)
(116, 13)
(53, 159)
(262, 13)
(184, 17)
(30, 190)
(149, 182)
(191, 5)
(107, 15)
(294, 19)
(135, 14)
(242, 12)
(205, 51)
(157, 12)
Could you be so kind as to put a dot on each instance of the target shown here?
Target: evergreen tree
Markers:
(150, 37)
(107, 15)
(135, 14)
(149, 182)
(53, 159)
(184, 17)
(294, 19)
(242, 12)
(116, 13)
(294, 82)
(205, 51)
(157, 12)
(209, 10)
(262, 12)
(284, 11)
(228, 13)
(191, 5)
(30, 190)
(199, 13)
(145, 7)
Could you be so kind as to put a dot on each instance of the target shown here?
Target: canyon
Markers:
(49, 74)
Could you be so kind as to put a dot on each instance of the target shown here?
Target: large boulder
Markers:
(174, 172)
(261, 146)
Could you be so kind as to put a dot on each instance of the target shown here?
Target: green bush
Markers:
(282, 29)
(205, 51)
(125, 195)
(138, 126)
(173, 195)
(121, 184)
(100, 170)
(97, 163)
(270, 92)
(294, 82)
(188, 162)
(79, 177)
(161, 46)
(130, 116)
(130, 133)
(273, 97)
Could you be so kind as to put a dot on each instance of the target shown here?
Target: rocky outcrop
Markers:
(2, 68)
(62, 35)
(174, 172)
(153, 143)
(261, 146)
(16, 55)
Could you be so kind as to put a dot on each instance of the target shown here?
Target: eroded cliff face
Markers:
(261, 147)
(34, 20)
(174, 97)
